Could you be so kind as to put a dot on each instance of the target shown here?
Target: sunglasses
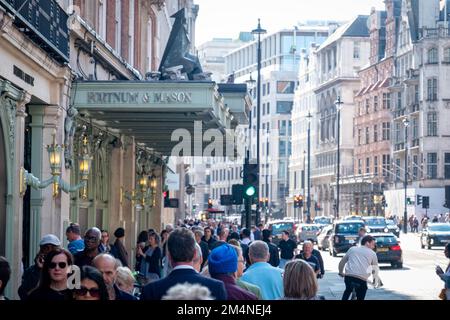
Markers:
(94, 292)
(91, 238)
(61, 265)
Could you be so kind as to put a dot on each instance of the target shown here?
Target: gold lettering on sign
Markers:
(133, 97)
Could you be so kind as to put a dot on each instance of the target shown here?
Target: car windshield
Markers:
(386, 240)
(348, 227)
(390, 222)
(323, 220)
(278, 228)
(352, 218)
(310, 228)
(441, 227)
(375, 222)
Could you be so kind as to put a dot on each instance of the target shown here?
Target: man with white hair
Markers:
(108, 265)
(269, 279)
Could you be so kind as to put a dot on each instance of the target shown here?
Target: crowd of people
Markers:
(194, 260)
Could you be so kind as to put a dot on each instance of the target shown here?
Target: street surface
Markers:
(416, 281)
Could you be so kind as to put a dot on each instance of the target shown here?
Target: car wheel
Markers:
(400, 265)
(429, 247)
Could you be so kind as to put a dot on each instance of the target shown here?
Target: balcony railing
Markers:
(399, 146)
(431, 33)
(44, 22)
(414, 107)
(399, 112)
(415, 143)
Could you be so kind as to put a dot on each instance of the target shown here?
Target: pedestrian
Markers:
(258, 232)
(274, 259)
(118, 250)
(5, 275)
(53, 282)
(360, 263)
(240, 271)
(181, 253)
(435, 219)
(92, 285)
(203, 245)
(268, 278)
(445, 276)
(187, 291)
(76, 243)
(108, 265)
(362, 232)
(415, 224)
(287, 247)
(91, 245)
(105, 247)
(31, 275)
(125, 280)
(300, 282)
(223, 235)
(151, 265)
(222, 265)
(208, 237)
(307, 256)
(141, 245)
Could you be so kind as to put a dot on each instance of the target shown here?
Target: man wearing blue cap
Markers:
(222, 265)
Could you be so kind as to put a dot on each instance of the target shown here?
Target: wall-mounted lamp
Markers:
(142, 194)
(55, 158)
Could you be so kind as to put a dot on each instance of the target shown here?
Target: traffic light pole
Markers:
(248, 212)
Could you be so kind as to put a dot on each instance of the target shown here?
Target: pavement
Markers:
(416, 281)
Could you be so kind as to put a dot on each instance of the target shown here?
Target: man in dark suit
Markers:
(181, 253)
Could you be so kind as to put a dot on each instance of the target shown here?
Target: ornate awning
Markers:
(151, 111)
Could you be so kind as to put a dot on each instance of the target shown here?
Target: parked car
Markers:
(307, 231)
(278, 226)
(435, 234)
(393, 228)
(376, 224)
(323, 221)
(388, 249)
(344, 235)
(323, 237)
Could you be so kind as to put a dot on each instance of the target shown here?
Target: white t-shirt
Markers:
(359, 262)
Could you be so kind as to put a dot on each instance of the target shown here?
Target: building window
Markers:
(284, 107)
(433, 56)
(415, 169)
(359, 166)
(367, 165)
(359, 137)
(397, 169)
(432, 125)
(367, 135)
(263, 109)
(386, 134)
(398, 135)
(432, 165)
(285, 87)
(268, 108)
(282, 148)
(447, 165)
(416, 94)
(375, 165)
(356, 50)
(118, 21)
(375, 104)
(432, 89)
(268, 88)
(375, 133)
(386, 165)
(399, 100)
(415, 128)
(386, 100)
(367, 106)
(447, 55)
(264, 89)
(283, 128)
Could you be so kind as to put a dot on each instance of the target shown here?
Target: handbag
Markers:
(443, 295)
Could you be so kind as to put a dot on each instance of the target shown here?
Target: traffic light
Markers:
(426, 202)
(251, 180)
(419, 199)
(237, 193)
(166, 199)
(210, 203)
(408, 201)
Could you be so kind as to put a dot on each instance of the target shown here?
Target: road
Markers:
(416, 281)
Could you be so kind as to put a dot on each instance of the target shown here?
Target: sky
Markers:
(226, 18)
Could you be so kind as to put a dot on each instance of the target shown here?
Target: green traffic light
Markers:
(250, 191)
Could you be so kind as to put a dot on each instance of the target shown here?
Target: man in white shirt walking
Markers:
(360, 262)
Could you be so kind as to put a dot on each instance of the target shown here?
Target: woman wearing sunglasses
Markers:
(92, 286)
(53, 282)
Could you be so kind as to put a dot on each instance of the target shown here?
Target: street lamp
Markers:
(405, 213)
(308, 199)
(338, 104)
(258, 31)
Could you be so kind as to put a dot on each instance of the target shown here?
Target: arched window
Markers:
(447, 55)
(433, 56)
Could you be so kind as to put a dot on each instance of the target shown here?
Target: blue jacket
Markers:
(269, 279)
(157, 289)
